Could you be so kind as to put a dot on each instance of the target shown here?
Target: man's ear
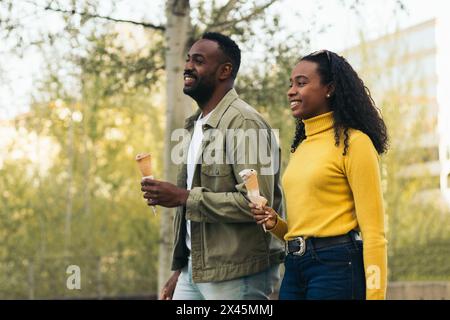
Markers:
(226, 71)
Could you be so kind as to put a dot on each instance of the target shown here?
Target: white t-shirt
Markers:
(194, 148)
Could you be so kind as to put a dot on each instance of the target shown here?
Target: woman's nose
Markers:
(291, 92)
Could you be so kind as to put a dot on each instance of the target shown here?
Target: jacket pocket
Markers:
(216, 170)
(218, 178)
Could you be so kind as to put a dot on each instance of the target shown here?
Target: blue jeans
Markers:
(331, 273)
(253, 287)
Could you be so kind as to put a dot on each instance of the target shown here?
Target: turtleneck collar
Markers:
(318, 124)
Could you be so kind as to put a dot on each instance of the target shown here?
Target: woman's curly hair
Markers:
(351, 102)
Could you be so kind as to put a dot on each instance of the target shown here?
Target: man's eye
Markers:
(301, 84)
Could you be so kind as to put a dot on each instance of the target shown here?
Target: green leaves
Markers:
(86, 207)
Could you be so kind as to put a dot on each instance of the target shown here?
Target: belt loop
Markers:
(310, 243)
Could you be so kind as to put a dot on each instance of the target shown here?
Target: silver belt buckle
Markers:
(302, 249)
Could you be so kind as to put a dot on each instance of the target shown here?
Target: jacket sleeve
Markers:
(204, 205)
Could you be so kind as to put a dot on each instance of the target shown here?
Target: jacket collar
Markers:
(219, 110)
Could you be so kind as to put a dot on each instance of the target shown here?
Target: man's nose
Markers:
(188, 66)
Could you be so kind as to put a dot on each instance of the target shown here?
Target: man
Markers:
(219, 250)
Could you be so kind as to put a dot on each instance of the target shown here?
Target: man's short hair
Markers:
(229, 48)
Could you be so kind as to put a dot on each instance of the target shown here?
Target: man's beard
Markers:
(201, 92)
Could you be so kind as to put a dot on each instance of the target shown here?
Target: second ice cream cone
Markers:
(251, 183)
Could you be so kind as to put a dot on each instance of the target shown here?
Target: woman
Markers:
(332, 186)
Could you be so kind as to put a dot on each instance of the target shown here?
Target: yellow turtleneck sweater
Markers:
(328, 194)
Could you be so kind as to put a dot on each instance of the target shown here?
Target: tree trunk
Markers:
(69, 204)
(177, 32)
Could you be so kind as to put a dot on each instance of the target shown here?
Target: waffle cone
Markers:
(144, 161)
(250, 178)
(258, 200)
(252, 183)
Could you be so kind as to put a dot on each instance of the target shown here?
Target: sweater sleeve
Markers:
(363, 172)
(280, 228)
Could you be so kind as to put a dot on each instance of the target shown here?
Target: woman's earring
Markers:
(328, 95)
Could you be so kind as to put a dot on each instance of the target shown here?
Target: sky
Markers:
(376, 19)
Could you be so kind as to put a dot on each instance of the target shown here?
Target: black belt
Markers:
(298, 245)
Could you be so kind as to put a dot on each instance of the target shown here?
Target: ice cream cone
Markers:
(251, 181)
(250, 178)
(144, 161)
(258, 200)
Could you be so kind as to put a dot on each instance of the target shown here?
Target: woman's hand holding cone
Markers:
(264, 215)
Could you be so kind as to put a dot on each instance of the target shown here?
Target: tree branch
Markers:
(225, 10)
(97, 16)
(258, 10)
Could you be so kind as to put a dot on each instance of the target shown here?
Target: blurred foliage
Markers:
(417, 216)
(86, 208)
(418, 220)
